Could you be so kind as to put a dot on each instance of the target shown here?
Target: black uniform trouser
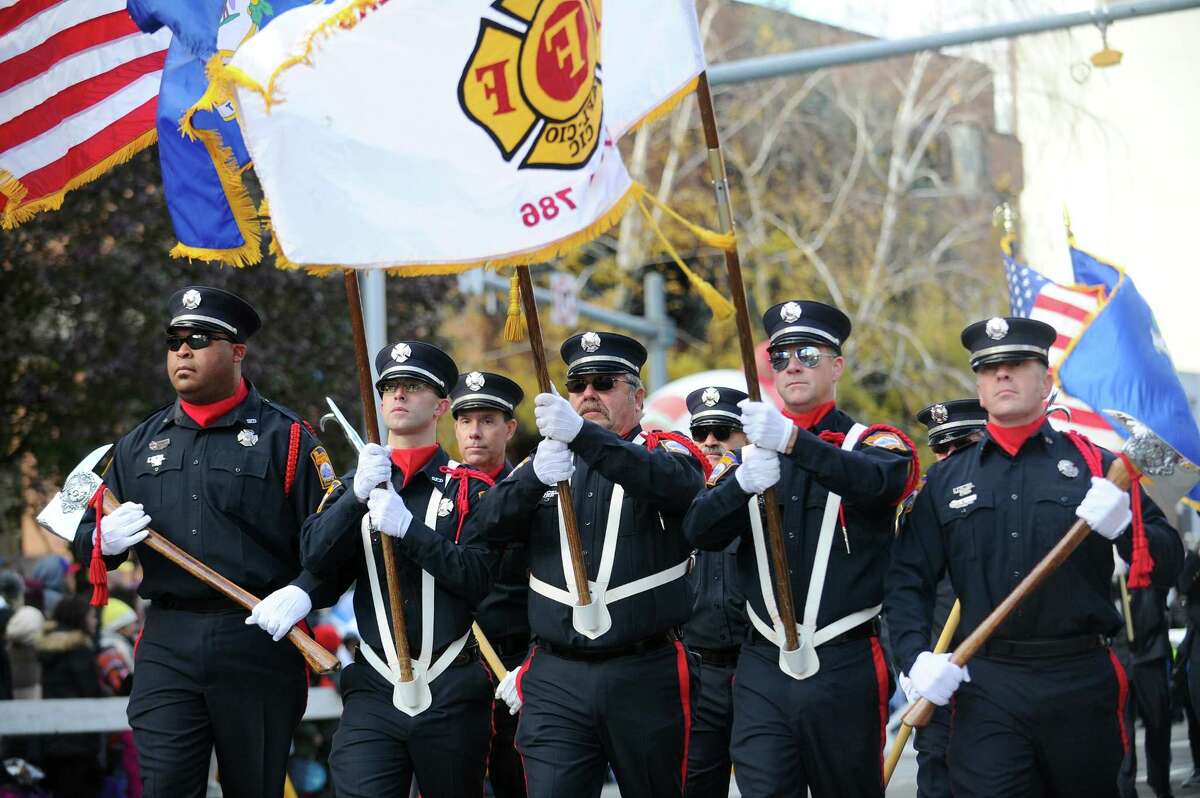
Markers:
(933, 775)
(377, 749)
(824, 733)
(205, 681)
(505, 771)
(633, 712)
(1152, 702)
(708, 752)
(1040, 727)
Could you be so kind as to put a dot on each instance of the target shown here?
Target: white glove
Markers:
(506, 691)
(1105, 507)
(389, 514)
(122, 528)
(280, 611)
(765, 426)
(935, 677)
(759, 469)
(374, 467)
(906, 687)
(555, 417)
(552, 462)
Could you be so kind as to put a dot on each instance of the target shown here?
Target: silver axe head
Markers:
(1169, 475)
(64, 512)
(348, 429)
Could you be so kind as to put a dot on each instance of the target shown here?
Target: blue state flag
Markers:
(1120, 362)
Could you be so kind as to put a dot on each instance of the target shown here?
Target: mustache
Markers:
(592, 405)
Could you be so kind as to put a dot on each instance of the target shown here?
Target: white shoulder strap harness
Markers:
(593, 620)
(803, 662)
(412, 698)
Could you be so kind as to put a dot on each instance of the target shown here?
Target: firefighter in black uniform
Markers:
(952, 426)
(228, 476)
(1188, 586)
(1149, 657)
(718, 624)
(813, 718)
(437, 725)
(482, 404)
(1041, 709)
(610, 682)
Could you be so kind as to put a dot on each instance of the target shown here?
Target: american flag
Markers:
(78, 88)
(1066, 309)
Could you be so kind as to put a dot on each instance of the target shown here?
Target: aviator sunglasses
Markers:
(809, 357)
(601, 382)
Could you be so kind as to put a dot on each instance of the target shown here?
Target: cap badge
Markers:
(939, 414)
(1068, 469)
(710, 396)
(191, 299)
(401, 352)
(790, 311)
(247, 437)
(590, 342)
(445, 506)
(474, 380)
(996, 328)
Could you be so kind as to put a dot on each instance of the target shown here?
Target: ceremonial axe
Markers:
(64, 512)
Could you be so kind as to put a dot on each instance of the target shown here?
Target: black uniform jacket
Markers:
(504, 613)
(870, 479)
(333, 549)
(719, 614)
(988, 519)
(659, 485)
(220, 493)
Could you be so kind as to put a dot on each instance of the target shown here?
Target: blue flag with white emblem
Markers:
(1120, 362)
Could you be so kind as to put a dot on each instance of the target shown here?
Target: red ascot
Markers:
(207, 414)
(1011, 439)
(462, 501)
(810, 418)
(410, 461)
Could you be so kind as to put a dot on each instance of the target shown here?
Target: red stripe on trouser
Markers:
(521, 695)
(685, 700)
(881, 682)
(1122, 697)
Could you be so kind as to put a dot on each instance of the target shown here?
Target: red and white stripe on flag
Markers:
(78, 90)
(1067, 310)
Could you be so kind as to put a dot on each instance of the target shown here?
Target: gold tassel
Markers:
(721, 307)
(514, 325)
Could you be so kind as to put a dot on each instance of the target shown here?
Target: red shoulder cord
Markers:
(654, 437)
(97, 570)
(914, 468)
(293, 455)
(1143, 562)
(462, 500)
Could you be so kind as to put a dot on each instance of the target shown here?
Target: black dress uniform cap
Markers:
(485, 390)
(715, 406)
(1008, 339)
(419, 360)
(200, 307)
(602, 353)
(949, 421)
(805, 321)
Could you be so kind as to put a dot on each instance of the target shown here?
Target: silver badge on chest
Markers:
(247, 437)
(1068, 469)
(965, 501)
(159, 445)
(964, 489)
(445, 507)
(156, 460)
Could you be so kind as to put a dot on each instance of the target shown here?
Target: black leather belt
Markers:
(510, 645)
(601, 654)
(1041, 649)
(718, 657)
(209, 605)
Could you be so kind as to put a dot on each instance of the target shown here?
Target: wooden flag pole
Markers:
(565, 502)
(737, 290)
(391, 584)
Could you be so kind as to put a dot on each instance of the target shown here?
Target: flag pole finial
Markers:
(1004, 216)
(1067, 226)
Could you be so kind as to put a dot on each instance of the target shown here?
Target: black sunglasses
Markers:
(194, 341)
(601, 382)
(809, 357)
(720, 432)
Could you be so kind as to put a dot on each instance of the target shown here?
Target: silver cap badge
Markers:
(401, 352)
(790, 312)
(474, 380)
(996, 328)
(710, 396)
(191, 299)
(590, 342)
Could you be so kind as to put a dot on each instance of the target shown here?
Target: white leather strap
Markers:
(439, 666)
(617, 593)
(822, 635)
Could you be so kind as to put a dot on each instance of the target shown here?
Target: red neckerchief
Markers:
(1010, 439)
(410, 461)
(207, 414)
(462, 500)
(810, 418)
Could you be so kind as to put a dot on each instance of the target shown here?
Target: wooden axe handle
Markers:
(317, 657)
(922, 711)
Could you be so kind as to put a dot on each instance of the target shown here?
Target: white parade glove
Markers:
(552, 462)
(280, 611)
(765, 425)
(506, 691)
(555, 417)
(1105, 507)
(122, 528)
(935, 677)
(389, 514)
(906, 687)
(374, 467)
(759, 469)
